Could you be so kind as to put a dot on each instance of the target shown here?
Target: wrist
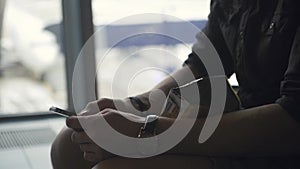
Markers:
(149, 127)
(161, 124)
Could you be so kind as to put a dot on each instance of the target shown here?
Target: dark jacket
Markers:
(259, 40)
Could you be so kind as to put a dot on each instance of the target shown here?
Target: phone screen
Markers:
(62, 112)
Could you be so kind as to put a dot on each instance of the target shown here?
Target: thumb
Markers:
(73, 123)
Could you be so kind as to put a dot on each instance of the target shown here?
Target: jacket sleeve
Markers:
(290, 86)
(213, 33)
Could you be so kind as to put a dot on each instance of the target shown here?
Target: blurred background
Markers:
(32, 61)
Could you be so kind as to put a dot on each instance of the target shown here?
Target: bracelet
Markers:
(140, 105)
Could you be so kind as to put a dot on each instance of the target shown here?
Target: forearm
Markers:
(261, 131)
(180, 77)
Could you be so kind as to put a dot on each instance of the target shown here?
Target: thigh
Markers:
(158, 162)
(256, 163)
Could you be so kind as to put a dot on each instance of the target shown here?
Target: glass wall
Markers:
(32, 71)
(138, 62)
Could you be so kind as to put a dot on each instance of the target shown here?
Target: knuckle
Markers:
(92, 108)
(84, 112)
(90, 104)
(104, 100)
(107, 110)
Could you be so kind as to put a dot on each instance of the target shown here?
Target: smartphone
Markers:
(62, 112)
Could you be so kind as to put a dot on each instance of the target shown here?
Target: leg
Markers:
(158, 162)
(65, 154)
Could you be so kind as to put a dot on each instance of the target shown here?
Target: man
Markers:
(259, 41)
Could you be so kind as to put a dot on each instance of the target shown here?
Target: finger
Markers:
(87, 113)
(80, 138)
(73, 122)
(89, 148)
(90, 157)
(84, 113)
(106, 103)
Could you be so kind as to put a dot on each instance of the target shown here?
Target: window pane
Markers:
(31, 63)
(115, 71)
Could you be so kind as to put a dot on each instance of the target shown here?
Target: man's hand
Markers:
(95, 107)
(124, 123)
(123, 105)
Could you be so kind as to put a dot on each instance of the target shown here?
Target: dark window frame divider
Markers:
(78, 28)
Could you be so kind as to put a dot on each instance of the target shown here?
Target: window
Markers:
(115, 77)
(32, 71)
(32, 63)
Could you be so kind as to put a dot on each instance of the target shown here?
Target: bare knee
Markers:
(65, 154)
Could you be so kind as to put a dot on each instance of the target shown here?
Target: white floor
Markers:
(33, 157)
